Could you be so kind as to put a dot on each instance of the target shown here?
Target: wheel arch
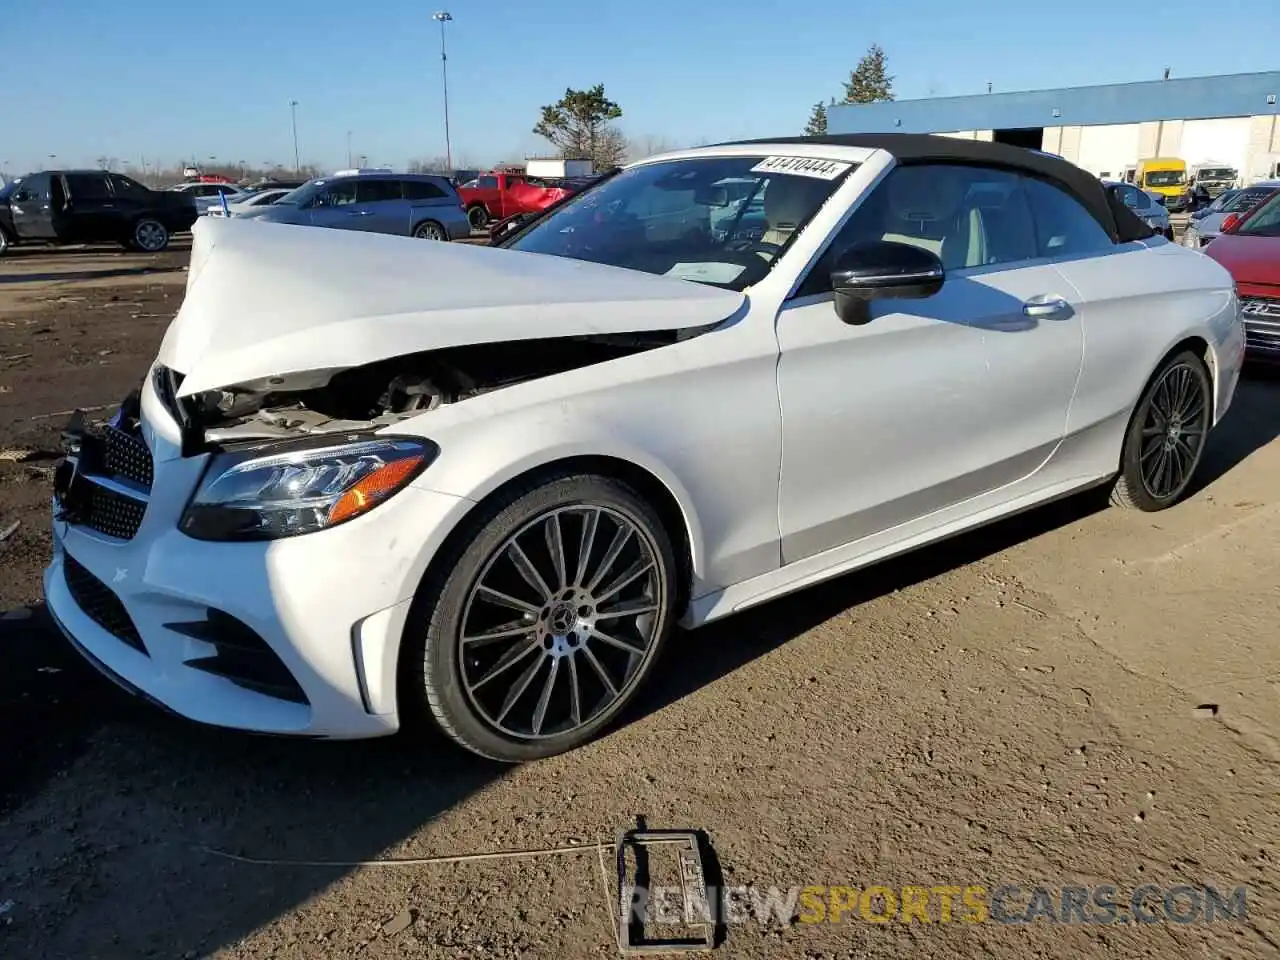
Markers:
(1199, 345)
(678, 518)
(418, 225)
(680, 525)
(1196, 344)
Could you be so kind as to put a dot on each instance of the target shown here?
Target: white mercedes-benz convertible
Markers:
(370, 481)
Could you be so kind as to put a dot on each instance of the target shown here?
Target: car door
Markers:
(934, 401)
(334, 205)
(32, 208)
(1113, 284)
(421, 196)
(132, 200)
(90, 209)
(380, 206)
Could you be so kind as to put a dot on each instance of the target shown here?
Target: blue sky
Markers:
(166, 79)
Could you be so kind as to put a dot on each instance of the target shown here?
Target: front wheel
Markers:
(150, 236)
(4, 242)
(479, 217)
(430, 230)
(544, 624)
(1166, 436)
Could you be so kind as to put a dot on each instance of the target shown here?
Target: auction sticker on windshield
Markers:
(802, 167)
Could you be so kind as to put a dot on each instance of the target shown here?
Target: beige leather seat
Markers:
(788, 201)
(927, 209)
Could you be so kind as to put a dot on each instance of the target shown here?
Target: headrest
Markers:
(789, 200)
(921, 196)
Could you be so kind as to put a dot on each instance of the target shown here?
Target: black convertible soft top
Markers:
(1106, 205)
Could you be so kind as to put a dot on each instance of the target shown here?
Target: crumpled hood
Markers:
(270, 300)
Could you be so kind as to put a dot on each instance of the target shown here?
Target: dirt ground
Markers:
(1075, 696)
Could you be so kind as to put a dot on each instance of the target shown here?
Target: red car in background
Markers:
(497, 196)
(1249, 247)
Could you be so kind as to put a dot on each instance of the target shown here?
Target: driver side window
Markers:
(969, 216)
(338, 195)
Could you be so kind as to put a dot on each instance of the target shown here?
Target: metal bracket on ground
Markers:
(636, 909)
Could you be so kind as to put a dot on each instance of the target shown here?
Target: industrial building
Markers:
(1231, 120)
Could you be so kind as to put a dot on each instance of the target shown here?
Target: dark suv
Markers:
(86, 206)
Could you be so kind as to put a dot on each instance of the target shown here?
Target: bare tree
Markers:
(438, 165)
(648, 145)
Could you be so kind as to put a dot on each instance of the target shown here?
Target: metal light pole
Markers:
(348, 148)
(443, 17)
(293, 114)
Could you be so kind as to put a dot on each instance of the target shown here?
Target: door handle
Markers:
(1047, 307)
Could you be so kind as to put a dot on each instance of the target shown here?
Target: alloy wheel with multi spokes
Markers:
(551, 619)
(150, 236)
(430, 230)
(1166, 437)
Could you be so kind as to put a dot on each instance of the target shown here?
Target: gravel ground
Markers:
(1074, 696)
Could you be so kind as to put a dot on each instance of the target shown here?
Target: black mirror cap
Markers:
(881, 269)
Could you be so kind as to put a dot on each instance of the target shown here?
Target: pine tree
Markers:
(869, 82)
(817, 125)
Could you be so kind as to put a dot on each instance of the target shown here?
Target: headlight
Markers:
(300, 489)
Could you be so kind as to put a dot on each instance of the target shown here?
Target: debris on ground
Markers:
(399, 923)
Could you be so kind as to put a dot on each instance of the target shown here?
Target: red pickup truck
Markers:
(496, 196)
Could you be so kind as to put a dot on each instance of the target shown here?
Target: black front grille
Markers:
(105, 481)
(114, 514)
(126, 455)
(100, 604)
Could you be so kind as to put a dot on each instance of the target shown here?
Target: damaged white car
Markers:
(369, 482)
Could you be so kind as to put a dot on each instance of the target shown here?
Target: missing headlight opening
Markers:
(390, 391)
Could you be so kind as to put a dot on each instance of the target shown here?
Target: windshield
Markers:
(716, 220)
(1245, 200)
(1166, 178)
(302, 194)
(1216, 173)
(1265, 221)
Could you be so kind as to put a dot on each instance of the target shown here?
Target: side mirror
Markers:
(879, 270)
(1230, 222)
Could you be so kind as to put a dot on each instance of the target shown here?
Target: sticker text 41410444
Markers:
(802, 167)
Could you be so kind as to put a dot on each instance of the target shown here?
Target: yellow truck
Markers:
(1166, 176)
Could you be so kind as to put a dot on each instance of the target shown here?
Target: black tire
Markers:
(439, 682)
(149, 235)
(430, 230)
(478, 216)
(1164, 443)
(5, 241)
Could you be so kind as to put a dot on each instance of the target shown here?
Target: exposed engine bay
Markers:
(384, 393)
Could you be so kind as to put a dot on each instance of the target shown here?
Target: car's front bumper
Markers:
(1261, 315)
(210, 630)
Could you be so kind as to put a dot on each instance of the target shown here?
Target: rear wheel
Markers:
(430, 230)
(150, 236)
(543, 625)
(1166, 436)
(478, 216)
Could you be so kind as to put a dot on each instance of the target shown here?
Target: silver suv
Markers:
(406, 204)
